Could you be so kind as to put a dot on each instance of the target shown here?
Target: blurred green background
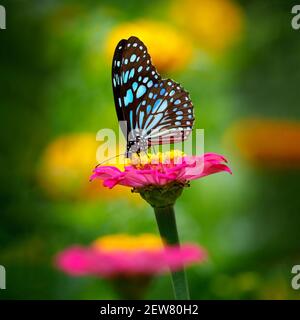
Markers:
(240, 63)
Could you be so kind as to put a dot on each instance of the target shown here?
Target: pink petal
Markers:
(79, 261)
(190, 168)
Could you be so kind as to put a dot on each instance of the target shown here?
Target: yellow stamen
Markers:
(128, 243)
(158, 158)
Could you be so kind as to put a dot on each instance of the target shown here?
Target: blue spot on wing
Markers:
(150, 117)
(155, 121)
(134, 86)
(150, 84)
(126, 76)
(131, 74)
(163, 106)
(141, 91)
(131, 119)
(132, 58)
(160, 106)
(141, 118)
(156, 105)
(128, 98)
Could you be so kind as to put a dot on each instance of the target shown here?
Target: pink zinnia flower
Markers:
(159, 179)
(161, 170)
(127, 256)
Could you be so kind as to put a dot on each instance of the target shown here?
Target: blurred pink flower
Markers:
(80, 261)
(177, 169)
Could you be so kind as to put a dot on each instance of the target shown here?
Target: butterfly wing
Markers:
(166, 113)
(132, 76)
(160, 109)
(116, 78)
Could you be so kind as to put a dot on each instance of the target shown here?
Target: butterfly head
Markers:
(136, 146)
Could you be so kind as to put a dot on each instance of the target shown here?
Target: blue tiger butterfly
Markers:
(155, 110)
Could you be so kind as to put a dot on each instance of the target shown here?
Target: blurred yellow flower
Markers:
(269, 143)
(65, 168)
(215, 24)
(125, 242)
(168, 48)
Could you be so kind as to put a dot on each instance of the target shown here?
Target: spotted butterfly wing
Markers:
(131, 69)
(155, 110)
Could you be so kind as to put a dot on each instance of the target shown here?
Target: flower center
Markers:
(128, 243)
(153, 160)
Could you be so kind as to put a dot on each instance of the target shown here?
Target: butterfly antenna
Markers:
(99, 164)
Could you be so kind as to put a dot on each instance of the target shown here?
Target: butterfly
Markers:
(154, 110)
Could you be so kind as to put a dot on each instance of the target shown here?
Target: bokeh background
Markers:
(239, 61)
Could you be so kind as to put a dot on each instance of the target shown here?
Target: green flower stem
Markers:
(166, 221)
(162, 199)
(131, 288)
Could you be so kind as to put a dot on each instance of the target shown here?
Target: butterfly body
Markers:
(136, 145)
(154, 110)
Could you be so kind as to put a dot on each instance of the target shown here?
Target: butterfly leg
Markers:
(146, 153)
(154, 150)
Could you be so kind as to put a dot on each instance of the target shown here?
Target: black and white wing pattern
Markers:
(155, 110)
